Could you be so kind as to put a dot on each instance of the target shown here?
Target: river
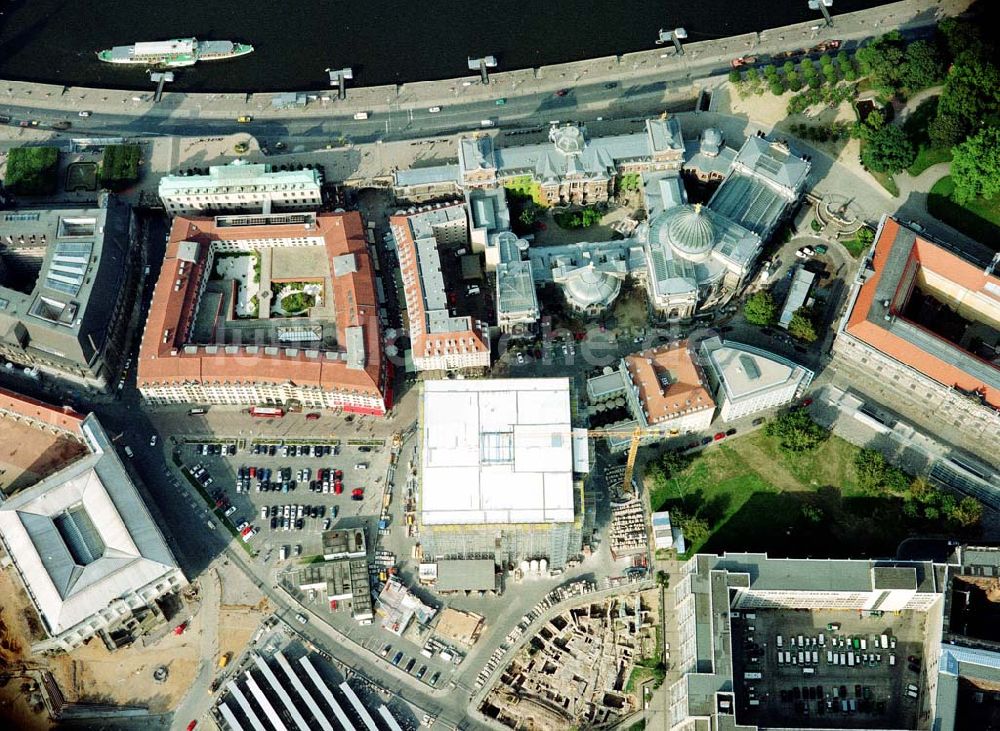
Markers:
(385, 41)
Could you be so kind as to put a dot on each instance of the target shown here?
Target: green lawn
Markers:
(915, 127)
(887, 182)
(757, 498)
(927, 157)
(979, 218)
(856, 248)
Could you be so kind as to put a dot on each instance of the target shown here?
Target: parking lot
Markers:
(829, 669)
(298, 487)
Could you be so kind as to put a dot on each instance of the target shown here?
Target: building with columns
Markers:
(242, 186)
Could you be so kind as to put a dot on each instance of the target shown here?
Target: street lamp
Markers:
(676, 35)
(822, 5)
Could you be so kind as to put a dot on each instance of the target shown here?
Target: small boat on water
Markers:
(174, 53)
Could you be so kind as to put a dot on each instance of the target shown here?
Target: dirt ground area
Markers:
(92, 674)
(27, 454)
(236, 627)
(242, 609)
(16, 710)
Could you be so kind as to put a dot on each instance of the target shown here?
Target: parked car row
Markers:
(294, 450)
(328, 480)
(397, 660)
(289, 517)
(208, 449)
(201, 475)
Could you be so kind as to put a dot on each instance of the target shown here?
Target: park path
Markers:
(914, 101)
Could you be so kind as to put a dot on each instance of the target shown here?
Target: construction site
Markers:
(586, 667)
(149, 677)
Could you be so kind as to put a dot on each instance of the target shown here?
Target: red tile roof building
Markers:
(955, 378)
(272, 365)
(669, 389)
(39, 414)
(439, 340)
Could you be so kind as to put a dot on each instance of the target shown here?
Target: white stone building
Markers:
(85, 546)
(746, 380)
(242, 186)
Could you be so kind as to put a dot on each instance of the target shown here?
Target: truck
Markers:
(361, 115)
(850, 659)
(224, 660)
(808, 671)
(833, 626)
(885, 642)
(752, 676)
(283, 553)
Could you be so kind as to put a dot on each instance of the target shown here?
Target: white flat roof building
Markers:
(746, 379)
(498, 451)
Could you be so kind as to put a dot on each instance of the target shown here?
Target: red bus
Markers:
(267, 412)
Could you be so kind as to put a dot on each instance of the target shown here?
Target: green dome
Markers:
(690, 231)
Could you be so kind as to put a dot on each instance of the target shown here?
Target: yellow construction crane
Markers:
(636, 436)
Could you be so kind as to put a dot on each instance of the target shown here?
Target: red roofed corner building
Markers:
(924, 319)
(196, 350)
(440, 337)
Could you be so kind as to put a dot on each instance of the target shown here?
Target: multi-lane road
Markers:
(323, 125)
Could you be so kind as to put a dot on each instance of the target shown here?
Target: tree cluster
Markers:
(582, 218)
(886, 147)
(896, 67)
(696, 530)
(822, 132)
(760, 309)
(970, 99)
(975, 166)
(671, 464)
(120, 166)
(791, 77)
(796, 431)
(802, 325)
(830, 95)
(33, 170)
(924, 500)
(876, 476)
